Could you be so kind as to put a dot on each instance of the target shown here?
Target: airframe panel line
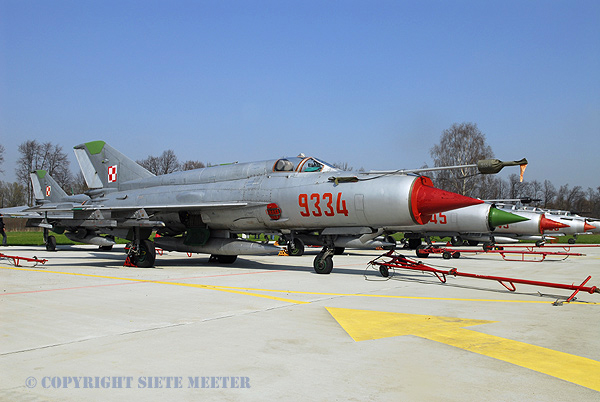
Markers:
(241, 290)
(162, 282)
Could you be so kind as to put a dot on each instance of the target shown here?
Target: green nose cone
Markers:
(499, 217)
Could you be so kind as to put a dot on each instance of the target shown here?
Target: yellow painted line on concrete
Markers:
(163, 283)
(397, 297)
(364, 325)
(242, 290)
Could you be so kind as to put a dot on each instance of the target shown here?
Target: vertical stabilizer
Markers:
(104, 166)
(46, 188)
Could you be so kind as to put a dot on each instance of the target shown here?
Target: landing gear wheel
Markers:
(323, 265)
(456, 241)
(456, 255)
(226, 259)
(413, 244)
(384, 271)
(571, 240)
(296, 249)
(420, 253)
(105, 248)
(472, 242)
(51, 243)
(487, 246)
(390, 239)
(446, 255)
(539, 243)
(146, 255)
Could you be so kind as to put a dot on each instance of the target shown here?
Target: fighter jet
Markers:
(471, 223)
(56, 213)
(533, 229)
(203, 210)
(576, 225)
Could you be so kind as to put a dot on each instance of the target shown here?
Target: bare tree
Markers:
(461, 144)
(79, 185)
(1, 157)
(548, 193)
(163, 164)
(12, 195)
(342, 166)
(45, 156)
(191, 165)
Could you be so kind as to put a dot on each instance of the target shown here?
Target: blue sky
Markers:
(370, 83)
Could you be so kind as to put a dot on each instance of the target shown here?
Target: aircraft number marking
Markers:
(321, 205)
(442, 219)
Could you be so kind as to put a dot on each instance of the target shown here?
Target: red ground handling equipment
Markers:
(391, 260)
(527, 255)
(16, 261)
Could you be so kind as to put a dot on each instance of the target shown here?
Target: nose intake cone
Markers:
(426, 200)
(549, 224)
(498, 217)
(587, 226)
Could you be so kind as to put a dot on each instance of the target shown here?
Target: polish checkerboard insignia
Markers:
(112, 174)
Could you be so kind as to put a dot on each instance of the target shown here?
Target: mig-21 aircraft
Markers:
(203, 210)
(471, 223)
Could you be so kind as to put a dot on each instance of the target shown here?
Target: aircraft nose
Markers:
(587, 226)
(498, 217)
(426, 200)
(549, 224)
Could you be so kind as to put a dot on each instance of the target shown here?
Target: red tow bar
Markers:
(393, 261)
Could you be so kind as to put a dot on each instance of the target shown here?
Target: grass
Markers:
(37, 239)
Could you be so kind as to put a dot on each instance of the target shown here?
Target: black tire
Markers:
(323, 265)
(105, 248)
(51, 243)
(338, 250)
(472, 242)
(456, 255)
(413, 244)
(446, 255)
(146, 256)
(390, 239)
(571, 240)
(539, 243)
(384, 271)
(420, 253)
(456, 241)
(298, 248)
(487, 246)
(226, 259)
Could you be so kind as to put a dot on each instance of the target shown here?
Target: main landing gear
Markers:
(141, 254)
(323, 263)
(50, 241)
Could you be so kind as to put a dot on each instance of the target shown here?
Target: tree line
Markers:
(461, 144)
(464, 144)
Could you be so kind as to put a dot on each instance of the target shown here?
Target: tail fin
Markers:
(46, 188)
(105, 167)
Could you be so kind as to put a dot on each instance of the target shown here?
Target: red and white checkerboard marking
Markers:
(112, 174)
(48, 191)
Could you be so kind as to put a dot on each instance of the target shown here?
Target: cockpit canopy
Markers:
(302, 164)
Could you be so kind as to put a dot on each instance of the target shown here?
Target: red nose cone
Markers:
(587, 226)
(426, 200)
(549, 224)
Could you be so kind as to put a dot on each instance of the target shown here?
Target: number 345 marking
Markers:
(317, 205)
